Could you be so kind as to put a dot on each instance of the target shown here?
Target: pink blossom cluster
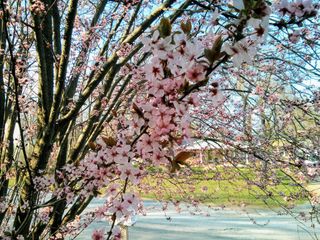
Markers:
(294, 37)
(147, 134)
(124, 50)
(44, 214)
(245, 49)
(38, 8)
(3, 207)
(242, 51)
(43, 183)
(156, 122)
(297, 8)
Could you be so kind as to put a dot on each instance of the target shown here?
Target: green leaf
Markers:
(209, 54)
(213, 54)
(186, 27)
(165, 27)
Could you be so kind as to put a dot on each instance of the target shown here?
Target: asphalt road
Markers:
(226, 224)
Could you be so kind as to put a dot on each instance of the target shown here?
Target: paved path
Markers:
(224, 224)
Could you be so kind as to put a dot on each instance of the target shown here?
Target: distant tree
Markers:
(269, 110)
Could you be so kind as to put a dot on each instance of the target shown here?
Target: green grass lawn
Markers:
(232, 189)
(219, 187)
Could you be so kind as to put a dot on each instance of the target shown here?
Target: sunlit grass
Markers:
(231, 190)
(219, 187)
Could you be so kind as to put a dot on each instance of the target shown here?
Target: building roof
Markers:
(205, 145)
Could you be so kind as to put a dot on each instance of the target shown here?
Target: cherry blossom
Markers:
(242, 51)
(98, 235)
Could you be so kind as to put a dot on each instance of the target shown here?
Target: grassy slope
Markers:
(233, 190)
